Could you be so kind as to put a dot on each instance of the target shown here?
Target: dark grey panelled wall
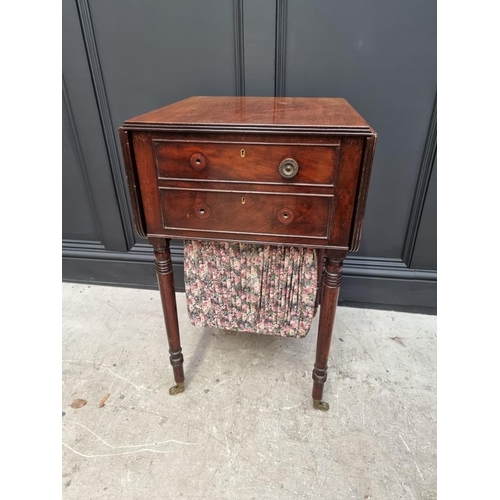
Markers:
(121, 59)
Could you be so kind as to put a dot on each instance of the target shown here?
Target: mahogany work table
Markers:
(260, 170)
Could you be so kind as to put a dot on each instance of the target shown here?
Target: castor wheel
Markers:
(321, 405)
(176, 389)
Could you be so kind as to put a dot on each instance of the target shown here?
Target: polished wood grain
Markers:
(133, 183)
(346, 183)
(245, 161)
(246, 213)
(362, 194)
(346, 170)
(163, 264)
(207, 168)
(254, 114)
(332, 275)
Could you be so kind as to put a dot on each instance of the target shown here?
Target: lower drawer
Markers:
(246, 213)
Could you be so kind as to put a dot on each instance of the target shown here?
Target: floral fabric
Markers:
(251, 288)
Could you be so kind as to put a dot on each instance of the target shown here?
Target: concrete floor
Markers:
(245, 427)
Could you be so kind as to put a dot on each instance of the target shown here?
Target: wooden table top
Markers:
(247, 113)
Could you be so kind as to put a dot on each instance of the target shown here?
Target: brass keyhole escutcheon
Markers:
(242, 153)
(243, 201)
(288, 168)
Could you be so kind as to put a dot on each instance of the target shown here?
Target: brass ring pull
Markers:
(288, 168)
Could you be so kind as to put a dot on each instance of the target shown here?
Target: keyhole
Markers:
(202, 210)
(198, 161)
(242, 153)
(285, 216)
(243, 201)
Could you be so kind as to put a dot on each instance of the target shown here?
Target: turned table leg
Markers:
(166, 285)
(329, 296)
(321, 261)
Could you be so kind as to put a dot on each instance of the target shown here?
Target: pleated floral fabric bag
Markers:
(251, 288)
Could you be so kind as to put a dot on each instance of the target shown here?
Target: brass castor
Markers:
(176, 389)
(321, 405)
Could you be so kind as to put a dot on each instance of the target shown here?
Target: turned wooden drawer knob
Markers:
(202, 210)
(288, 168)
(198, 161)
(285, 216)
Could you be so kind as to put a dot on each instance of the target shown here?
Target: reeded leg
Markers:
(166, 285)
(329, 296)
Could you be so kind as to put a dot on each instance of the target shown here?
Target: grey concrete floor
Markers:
(245, 427)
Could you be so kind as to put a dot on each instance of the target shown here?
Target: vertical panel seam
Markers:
(239, 46)
(105, 116)
(280, 48)
(81, 160)
(424, 176)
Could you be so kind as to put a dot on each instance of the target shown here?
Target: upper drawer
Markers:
(247, 162)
